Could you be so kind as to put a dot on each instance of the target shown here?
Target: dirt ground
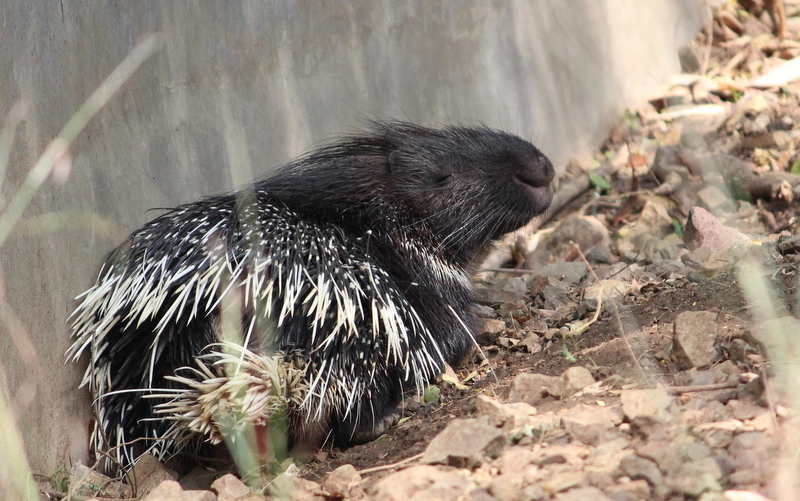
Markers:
(600, 348)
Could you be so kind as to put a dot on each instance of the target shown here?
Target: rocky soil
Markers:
(641, 344)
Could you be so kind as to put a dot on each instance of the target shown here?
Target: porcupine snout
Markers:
(535, 175)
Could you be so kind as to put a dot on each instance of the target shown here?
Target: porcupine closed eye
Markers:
(349, 268)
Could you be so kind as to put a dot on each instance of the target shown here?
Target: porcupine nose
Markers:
(538, 172)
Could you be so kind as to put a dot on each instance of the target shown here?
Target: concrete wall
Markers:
(241, 87)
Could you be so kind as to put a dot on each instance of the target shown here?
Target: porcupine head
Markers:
(349, 267)
(422, 204)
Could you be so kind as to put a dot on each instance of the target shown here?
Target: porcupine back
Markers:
(354, 257)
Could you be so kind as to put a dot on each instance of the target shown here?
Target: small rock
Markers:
(600, 479)
(633, 490)
(637, 468)
(531, 343)
(695, 335)
(538, 284)
(201, 495)
(752, 391)
(421, 483)
(704, 231)
(168, 490)
(767, 140)
(665, 268)
(537, 325)
(339, 482)
(607, 289)
(481, 494)
(490, 331)
(515, 460)
(653, 224)
(534, 493)
(583, 494)
(229, 487)
(787, 244)
(714, 199)
(290, 488)
(672, 457)
(148, 472)
(565, 480)
(696, 479)
(587, 231)
(198, 479)
(742, 410)
(510, 417)
(695, 377)
(464, 443)
(696, 277)
(590, 424)
(568, 272)
(649, 427)
(529, 388)
(669, 160)
(710, 261)
(652, 402)
(736, 495)
(483, 311)
(571, 455)
(571, 382)
(85, 482)
(509, 289)
(506, 487)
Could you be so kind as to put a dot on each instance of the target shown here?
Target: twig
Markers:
(520, 271)
(700, 387)
(390, 466)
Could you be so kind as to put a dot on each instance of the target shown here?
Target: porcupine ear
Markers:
(393, 161)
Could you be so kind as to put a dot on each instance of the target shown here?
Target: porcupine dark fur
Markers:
(354, 258)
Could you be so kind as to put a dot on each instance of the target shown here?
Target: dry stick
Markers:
(735, 61)
(390, 466)
(621, 327)
(710, 35)
(770, 400)
(701, 387)
(58, 149)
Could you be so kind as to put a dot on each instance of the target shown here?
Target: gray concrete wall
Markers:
(241, 87)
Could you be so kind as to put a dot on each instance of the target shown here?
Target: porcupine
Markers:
(350, 266)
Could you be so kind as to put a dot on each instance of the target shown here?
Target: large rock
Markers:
(655, 403)
(465, 443)
(704, 231)
(421, 483)
(695, 336)
(529, 388)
